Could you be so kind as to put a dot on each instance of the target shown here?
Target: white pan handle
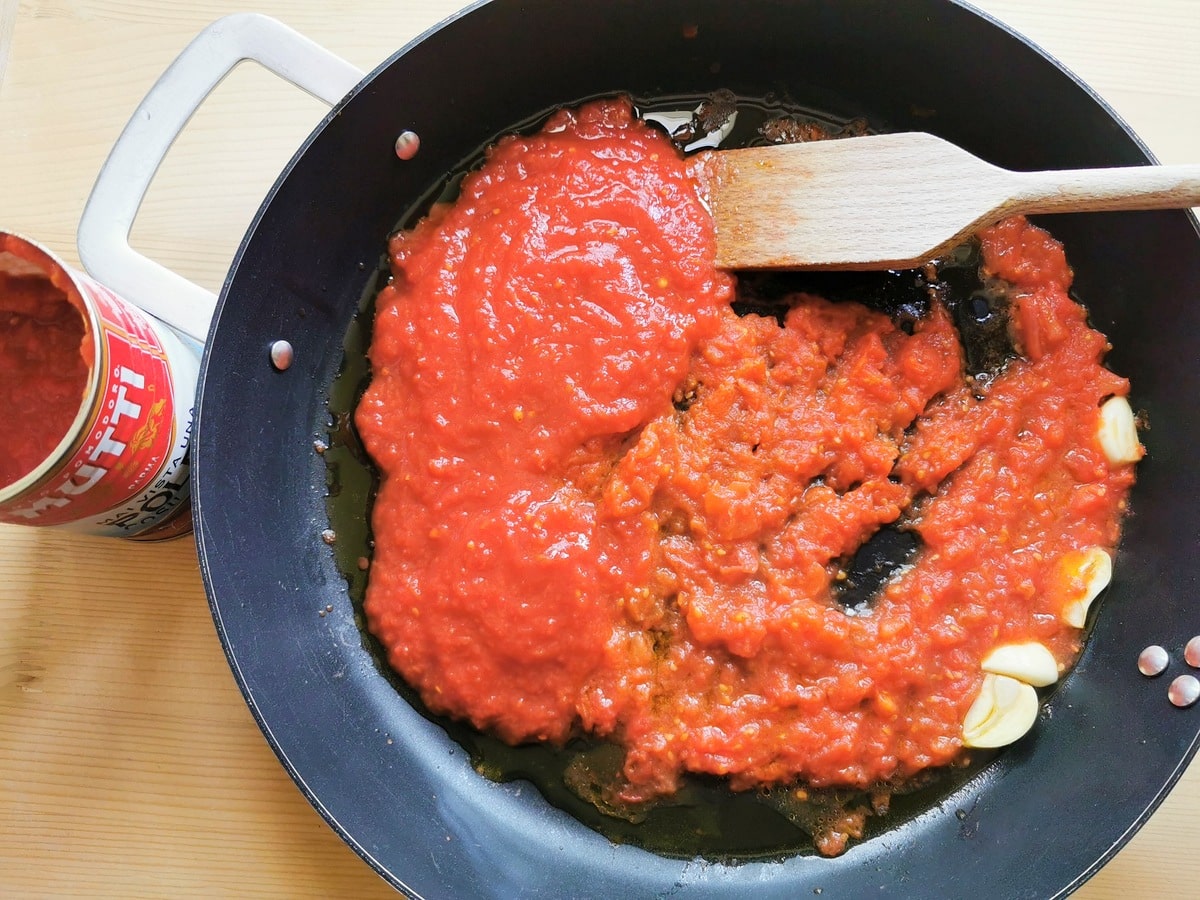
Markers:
(103, 237)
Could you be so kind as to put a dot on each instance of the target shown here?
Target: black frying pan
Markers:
(1045, 814)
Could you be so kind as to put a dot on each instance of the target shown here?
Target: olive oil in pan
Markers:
(704, 818)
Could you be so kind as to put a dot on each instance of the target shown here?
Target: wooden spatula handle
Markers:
(1097, 190)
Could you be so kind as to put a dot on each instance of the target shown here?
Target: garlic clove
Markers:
(1092, 568)
(1118, 432)
(1029, 662)
(1003, 712)
(982, 709)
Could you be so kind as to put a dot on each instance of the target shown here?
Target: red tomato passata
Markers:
(610, 504)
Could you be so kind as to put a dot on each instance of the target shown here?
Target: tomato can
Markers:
(121, 469)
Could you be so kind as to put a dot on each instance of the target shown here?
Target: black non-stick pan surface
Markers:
(1037, 821)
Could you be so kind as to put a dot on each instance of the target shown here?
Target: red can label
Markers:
(126, 469)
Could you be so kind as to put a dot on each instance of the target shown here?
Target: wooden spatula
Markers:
(897, 200)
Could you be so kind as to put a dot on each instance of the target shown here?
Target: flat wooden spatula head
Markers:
(895, 200)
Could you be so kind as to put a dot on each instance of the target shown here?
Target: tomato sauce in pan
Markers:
(43, 372)
(609, 504)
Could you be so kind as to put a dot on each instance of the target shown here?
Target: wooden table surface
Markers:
(129, 764)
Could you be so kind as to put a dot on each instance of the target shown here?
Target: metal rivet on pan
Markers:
(282, 355)
(407, 144)
(1184, 690)
(1153, 660)
(1191, 653)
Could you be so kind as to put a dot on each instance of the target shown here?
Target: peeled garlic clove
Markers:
(1003, 712)
(1030, 662)
(1118, 432)
(1092, 567)
(982, 709)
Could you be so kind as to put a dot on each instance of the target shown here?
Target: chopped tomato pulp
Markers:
(608, 503)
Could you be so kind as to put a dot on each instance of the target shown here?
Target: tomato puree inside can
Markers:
(45, 355)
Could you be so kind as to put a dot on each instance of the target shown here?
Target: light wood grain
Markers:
(8, 20)
(129, 764)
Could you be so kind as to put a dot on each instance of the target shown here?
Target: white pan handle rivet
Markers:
(407, 144)
(1191, 652)
(1153, 661)
(282, 355)
(1184, 691)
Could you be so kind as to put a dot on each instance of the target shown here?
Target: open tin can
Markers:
(120, 468)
